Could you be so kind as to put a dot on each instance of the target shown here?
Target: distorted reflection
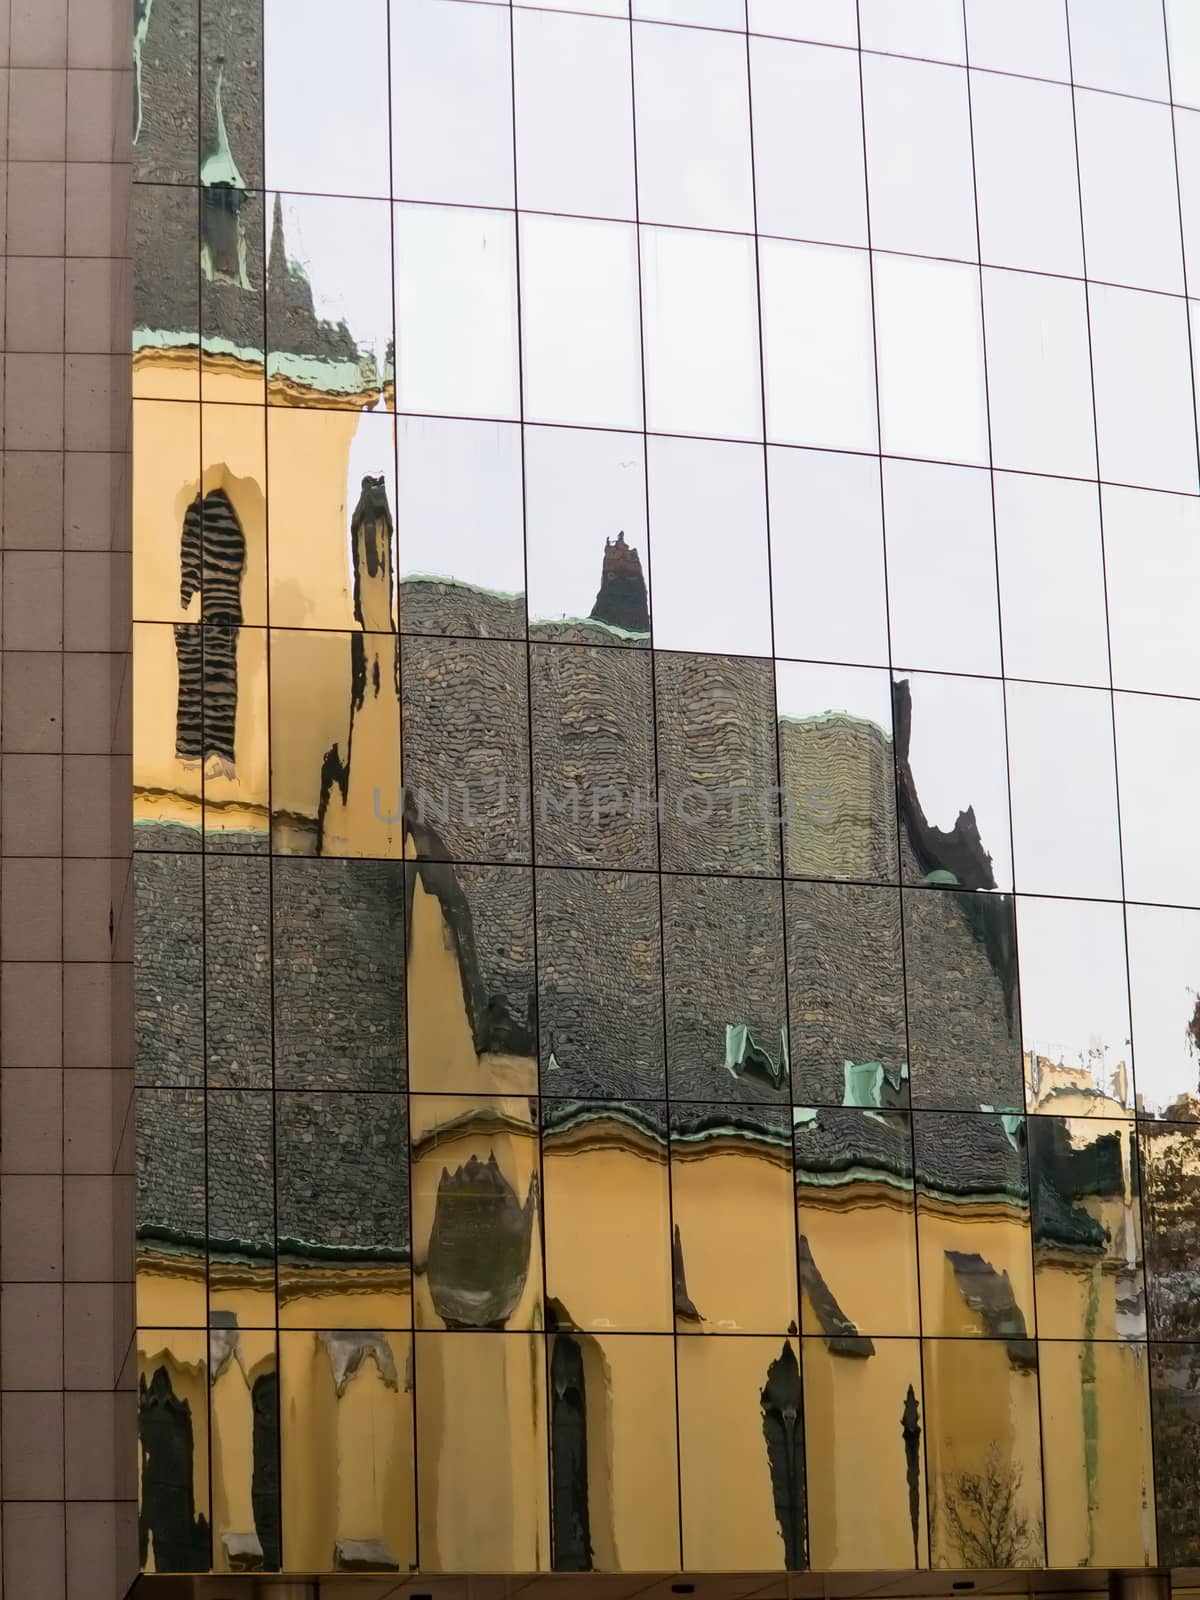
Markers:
(1075, 1033)
(476, 1228)
(728, 1163)
(593, 756)
(472, 1012)
(607, 1266)
(973, 1230)
(857, 1234)
(1164, 948)
(613, 1457)
(174, 1520)
(1175, 1413)
(237, 969)
(341, 1196)
(1170, 1170)
(836, 771)
(983, 1448)
(1097, 1456)
(848, 1036)
(482, 1447)
(168, 960)
(717, 764)
(964, 1026)
(1087, 1228)
(346, 1449)
(725, 989)
(863, 1420)
(461, 557)
(241, 1207)
(741, 1454)
(170, 1221)
(585, 536)
(244, 1401)
(600, 985)
(338, 974)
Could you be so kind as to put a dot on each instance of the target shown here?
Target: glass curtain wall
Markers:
(666, 572)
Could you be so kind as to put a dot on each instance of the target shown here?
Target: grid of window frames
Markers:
(667, 562)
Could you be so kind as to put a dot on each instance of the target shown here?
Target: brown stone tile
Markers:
(31, 1445)
(31, 1115)
(31, 1222)
(31, 708)
(31, 1006)
(35, 1549)
(31, 1336)
(33, 499)
(34, 304)
(33, 599)
(31, 805)
(31, 909)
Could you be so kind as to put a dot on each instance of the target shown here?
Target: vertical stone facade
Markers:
(68, 1411)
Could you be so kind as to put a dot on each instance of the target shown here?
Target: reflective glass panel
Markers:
(600, 986)
(574, 113)
(700, 321)
(1144, 417)
(329, 305)
(738, 1444)
(1183, 39)
(482, 1489)
(701, 13)
(1025, 174)
(718, 775)
(244, 1419)
(818, 359)
(932, 29)
(730, 1162)
(237, 971)
(848, 1037)
(1018, 36)
(169, 1212)
(1074, 1007)
(1127, 183)
(301, 47)
(1152, 553)
(166, 291)
(857, 1239)
(471, 1013)
(346, 1449)
(693, 128)
(1087, 1228)
(826, 21)
(585, 536)
(330, 507)
(827, 540)
(466, 747)
(339, 974)
(580, 330)
(725, 989)
(593, 756)
(862, 1419)
(930, 345)
(241, 1209)
(1051, 568)
(1060, 741)
(1039, 374)
(614, 1462)
(168, 976)
(919, 181)
(335, 743)
(952, 781)
(964, 1025)
(1174, 1373)
(837, 771)
(941, 567)
(1164, 945)
(1115, 45)
(983, 1448)
(233, 279)
(1170, 1167)
(608, 1266)
(341, 1208)
(973, 1232)
(704, 600)
(1097, 1449)
(456, 311)
(451, 104)
(1156, 773)
(477, 1231)
(173, 1454)
(460, 554)
(808, 147)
